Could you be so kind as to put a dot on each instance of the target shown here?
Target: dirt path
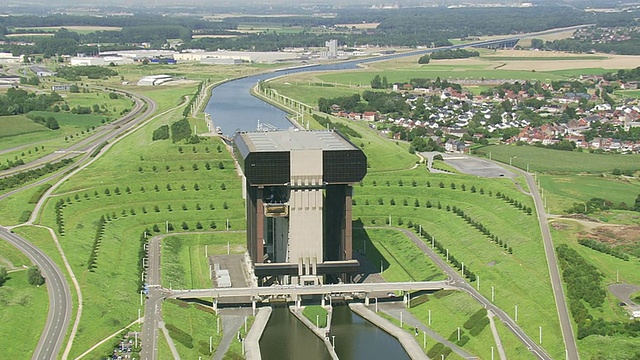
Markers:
(588, 224)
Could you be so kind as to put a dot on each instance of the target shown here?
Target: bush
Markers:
(161, 133)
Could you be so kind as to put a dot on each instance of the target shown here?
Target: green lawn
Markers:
(184, 265)
(557, 161)
(562, 191)
(449, 313)
(397, 254)
(565, 232)
(20, 301)
(494, 265)
(197, 321)
(133, 211)
(311, 311)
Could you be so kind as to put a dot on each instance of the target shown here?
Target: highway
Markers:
(60, 301)
(60, 304)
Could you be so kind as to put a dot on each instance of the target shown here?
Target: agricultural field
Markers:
(542, 160)
(563, 191)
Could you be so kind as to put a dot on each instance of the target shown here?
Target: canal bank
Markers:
(414, 351)
(321, 333)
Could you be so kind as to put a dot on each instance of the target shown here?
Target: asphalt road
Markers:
(60, 301)
(60, 304)
(456, 279)
(86, 145)
(554, 272)
(153, 304)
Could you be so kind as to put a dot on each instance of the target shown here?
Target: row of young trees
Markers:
(483, 229)
(195, 167)
(603, 248)
(25, 176)
(91, 263)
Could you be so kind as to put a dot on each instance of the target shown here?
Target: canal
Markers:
(233, 108)
(285, 337)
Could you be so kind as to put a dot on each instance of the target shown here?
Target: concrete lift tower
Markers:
(298, 187)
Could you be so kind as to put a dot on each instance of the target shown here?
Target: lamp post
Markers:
(317, 322)
(141, 297)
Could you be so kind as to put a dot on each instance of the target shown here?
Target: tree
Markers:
(161, 133)
(35, 276)
(636, 206)
(424, 59)
(3, 275)
(52, 123)
(376, 82)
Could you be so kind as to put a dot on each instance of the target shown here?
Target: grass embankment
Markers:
(396, 255)
(495, 266)
(612, 269)
(316, 314)
(184, 265)
(185, 194)
(191, 326)
(20, 301)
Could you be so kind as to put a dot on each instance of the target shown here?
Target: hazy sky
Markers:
(216, 3)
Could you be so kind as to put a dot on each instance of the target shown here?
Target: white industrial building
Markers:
(100, 61)
(242, 56)
(154, 80)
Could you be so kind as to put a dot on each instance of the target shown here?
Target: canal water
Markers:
(358, 339)
(233, 108)
(285, 337)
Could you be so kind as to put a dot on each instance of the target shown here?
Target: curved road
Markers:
(86, 145)
(60, 301)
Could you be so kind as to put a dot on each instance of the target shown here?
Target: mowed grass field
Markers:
(20, 301)
(196, 320)
(130, 164)
(612, 269)
(557, 161)
(563, 191)
(183, 256)
(495, 266)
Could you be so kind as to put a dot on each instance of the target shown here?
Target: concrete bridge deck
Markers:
(295, 291)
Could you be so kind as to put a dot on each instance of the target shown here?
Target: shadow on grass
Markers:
(371, 260)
